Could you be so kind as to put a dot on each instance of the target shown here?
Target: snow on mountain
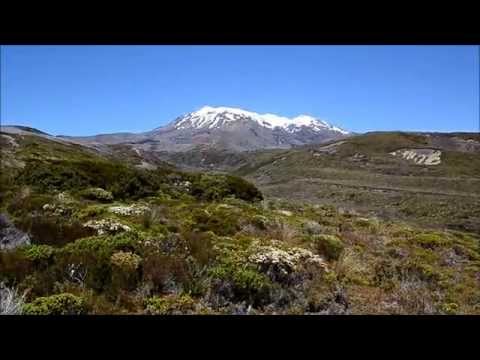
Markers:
(216, 117)
(223, 128)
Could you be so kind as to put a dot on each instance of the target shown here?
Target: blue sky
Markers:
(86, 90)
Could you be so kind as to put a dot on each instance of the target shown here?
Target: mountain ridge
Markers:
(225, 127)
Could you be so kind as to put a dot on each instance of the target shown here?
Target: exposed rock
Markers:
(224, 206)
(56, 209)
(183, 185)
(327, 149)
(106, 226)
(128, 210)
(64, 197)
(10, 236)
(146, 165)
(284, 212)
(420, 156)
(358, 157)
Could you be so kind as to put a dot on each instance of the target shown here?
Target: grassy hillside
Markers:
(361, 173)
(108, 237)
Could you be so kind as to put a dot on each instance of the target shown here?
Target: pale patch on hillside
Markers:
(420, 156)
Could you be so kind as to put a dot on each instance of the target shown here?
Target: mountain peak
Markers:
(209, 117)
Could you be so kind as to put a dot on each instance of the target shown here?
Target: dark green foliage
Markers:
(38, 253)
(63, 175)
(125, 270)
(431, 240)
(121, 180)
(238, 283)
(200, 235)
(170, 305)
(328, 245)
(14, 266)
(61, 304)
(27, 203)
(94, 255)
(222, 223)
(126, 182)
(53, 230)
(98, 194)
(216, 187)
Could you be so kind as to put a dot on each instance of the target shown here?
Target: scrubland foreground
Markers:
(86, 234)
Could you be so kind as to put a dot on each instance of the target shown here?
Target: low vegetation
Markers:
(171, 242)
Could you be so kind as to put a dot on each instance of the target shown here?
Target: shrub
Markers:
(413, 296)
(95, 254)
(430, 240)
(312, 227)
(328, 245)
(122, 181)
(260, 222)
(238, 283)
(124, 274)
(14, 266)
(370, 225)
(170, 305)
(216, 187)
(24, 202)
(152, 216)
(350, 268)
(126, 261)
(221, 222)
(281, 230)
(450, 308)
(53, 230)
(161, 270)
(98, 194)
(58, 175)
(39, 254)
(200, 245)
(60, 304)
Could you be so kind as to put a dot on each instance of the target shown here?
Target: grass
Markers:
(192, 251)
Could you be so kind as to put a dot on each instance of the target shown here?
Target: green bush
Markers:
(121, 180)
(430, 240)
(97, 194)
(170, 305)
(328, 245)
(14, 265)
(53, 230)
(95, 254)
(216, 187)
(25, 202)
(102, 246)
(246, 283)
(39, 253)
(60, 304)
(221, 222)
(125, 269)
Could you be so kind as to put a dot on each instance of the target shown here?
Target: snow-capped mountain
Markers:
(225, 128)
(217, 117)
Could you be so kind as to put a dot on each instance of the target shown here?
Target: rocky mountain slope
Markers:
(224, 128)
